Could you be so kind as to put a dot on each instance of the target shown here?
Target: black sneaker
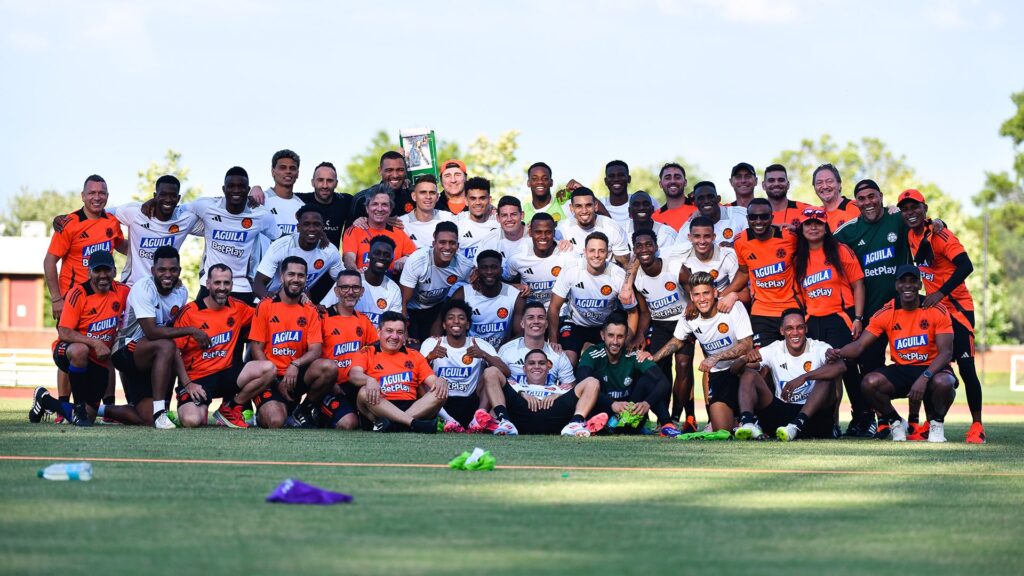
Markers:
(862, 427)
(382, 425)
(302, 417)
(36, 413)
(80, 417)
(424, 426)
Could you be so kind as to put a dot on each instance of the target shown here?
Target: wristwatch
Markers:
(858, 318)
(927, 374)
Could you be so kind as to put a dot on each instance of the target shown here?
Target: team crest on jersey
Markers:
(451, 279)
(670, 286)
(319, 263)
(467, 359)
(727, 233)
(723, 327)
(606, 290)
(174, 311)
(359, 331)
(231, 321)
(409, 365)
(382, 303)
(807, 366)
(267, 394)
(115, 306)
(555, 271)
(408, 207)
(110, 233)
(301, 321)
(173, 229)
(891, 237)
(246, 223)
(714, 274)
(335, 404)
(924, 324)
(780, 253)
(566, 333)
(502, 312)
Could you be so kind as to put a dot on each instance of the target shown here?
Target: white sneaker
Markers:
(787, 433)
(163, 422)
(936, 431)
(898, 431)
(506, 428)
(575, 429)
(748, 431)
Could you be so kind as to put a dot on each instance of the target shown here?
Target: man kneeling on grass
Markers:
(806, 386)
(397, 388)
(537, 406)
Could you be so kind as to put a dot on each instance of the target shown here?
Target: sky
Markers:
(108, 86)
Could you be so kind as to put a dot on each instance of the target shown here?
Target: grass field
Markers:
(658, 506)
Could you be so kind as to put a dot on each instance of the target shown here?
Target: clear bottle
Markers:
(67, 471)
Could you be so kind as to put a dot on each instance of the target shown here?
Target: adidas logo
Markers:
(897, 327)
(476, 312)
(783, 366)
(528, 271)
(275, 320)
(580, 285)
(862, 243)
(644, 291)
(93, 311)
(966, 355)
(83, 235)
(412, 237)
(697, 331)
(205, 326)
(336, 332)
(573, 241)
(217, 219)
(468, 234)
(145, 225)
(752, 257)
(273, 210)
(378, 367)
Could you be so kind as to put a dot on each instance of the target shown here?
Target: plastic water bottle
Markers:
(64, 471)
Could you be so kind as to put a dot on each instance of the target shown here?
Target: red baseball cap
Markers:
(453, 163)
(911, 194)
(813, 213)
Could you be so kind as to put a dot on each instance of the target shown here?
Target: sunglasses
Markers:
(759, 216)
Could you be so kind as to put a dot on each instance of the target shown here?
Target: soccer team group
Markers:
(414, 306)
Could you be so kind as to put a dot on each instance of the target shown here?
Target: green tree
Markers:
(360, 172)
(27, 206)
(495, 160)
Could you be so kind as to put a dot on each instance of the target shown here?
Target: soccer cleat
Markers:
(109, 420)
(79, 416)
(452, 427)
(882, 431)
(162, 422)
(575, 429)
(748, 431)
(917, 432)
(689, 425)
(302, 416)
(230, 417)
(898, 431)
(787, 433)
(59, 419)
(976, 434)
(863, 427)
(936, 431)
(597, 422)
(36, 413)
(708, 428)
(423, 426)
(382, 425)
(482, 422)
(669, 430)
(506, 428)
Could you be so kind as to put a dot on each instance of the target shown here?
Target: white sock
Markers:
(159, 406)
(444, 415)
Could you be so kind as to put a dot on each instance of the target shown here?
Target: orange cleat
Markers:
(976, 434)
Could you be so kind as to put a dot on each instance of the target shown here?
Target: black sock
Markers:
(578, 418)
(65, 398)
(747, 418)
(108, 400)
(53, 405)
(800, 421)
(939, 419)
(891, 417)
(913, 418)
(501, 412)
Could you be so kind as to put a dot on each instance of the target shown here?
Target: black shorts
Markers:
(223, 384)
(574, 337)
(273, 392)
(421, 320)
(779, 413)
(903, 376)
(724, 386)
(765, 329)
(462, 407)
(334, 407)
(94, 385)
(137, 383)
(366, 424)
(831, 329)
(550, 421)
(963, 338)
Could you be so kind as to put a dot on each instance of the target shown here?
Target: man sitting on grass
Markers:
(537, 406)
(806, 386)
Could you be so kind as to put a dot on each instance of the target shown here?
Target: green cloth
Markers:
(880, 247)
(559, 210)
(617, 379)
(479, 460)
(718, 435)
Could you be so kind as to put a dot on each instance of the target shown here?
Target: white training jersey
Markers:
(284, 210)
(231, 238)
(145, 301)
(498, 242)
(732, 222)
(462, 372)
(146, 234)
(621, 213)
(540, 273)
(514, 354)
(666, 235)
(571, 231)
(473, 233)
(665, 298)
(590, 299)
(492, 316)
(717, 333)
(784, 366)
(430, 283)
(319, 261)
(422, 233)
(722, 265)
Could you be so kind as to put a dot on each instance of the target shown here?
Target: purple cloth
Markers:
(296, 492)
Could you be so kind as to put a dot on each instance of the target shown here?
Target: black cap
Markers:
(101, 259)
(905, 269)
(743, 166)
